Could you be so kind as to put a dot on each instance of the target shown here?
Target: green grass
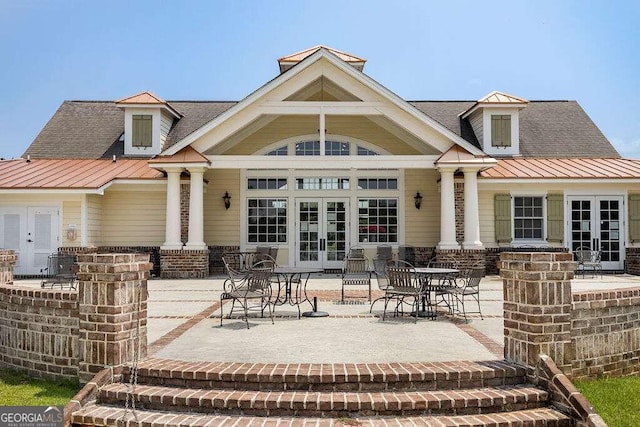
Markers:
(17, 389)
(617, 400)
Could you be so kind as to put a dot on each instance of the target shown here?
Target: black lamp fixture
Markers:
(418, 200)
(227, 200)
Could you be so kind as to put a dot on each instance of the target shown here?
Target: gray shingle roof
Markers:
(91, 129)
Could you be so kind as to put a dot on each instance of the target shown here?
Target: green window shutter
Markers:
(555, 218)
(502, 212)
(634, 217)
(501, 130)
(141, 130)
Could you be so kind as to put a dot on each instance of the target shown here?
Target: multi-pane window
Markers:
(267, 220)
(501, 130)
(528, 219)
(308, 148)
(141, 130)
(366, 152)
(378, 220)
(336, 148)
(322, 183)
(267, 183)
(280, 151)
(378, 183)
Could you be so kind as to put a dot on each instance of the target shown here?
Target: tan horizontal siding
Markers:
(133, 218)
(71, 215)
(422, 227)
(487, 217)
(221, 226)
(351, 126)
(94, 220)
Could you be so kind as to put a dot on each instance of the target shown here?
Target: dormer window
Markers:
(495, 120)
(147, 121)
(501, 130)
(142, 130)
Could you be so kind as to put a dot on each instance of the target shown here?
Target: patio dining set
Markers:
(255, 282)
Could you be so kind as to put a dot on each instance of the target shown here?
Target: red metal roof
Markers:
(567, 168)
(71, 173)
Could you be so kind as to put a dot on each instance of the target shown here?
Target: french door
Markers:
(322, 232)
(597, 224)
(32, 233)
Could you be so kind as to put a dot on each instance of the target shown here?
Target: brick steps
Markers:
(327, 404)
(176, 393)
(328, 377)
(93, 415)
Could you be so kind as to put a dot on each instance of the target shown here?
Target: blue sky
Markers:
(54, 50)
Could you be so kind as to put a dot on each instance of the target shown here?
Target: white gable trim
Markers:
(346, 68)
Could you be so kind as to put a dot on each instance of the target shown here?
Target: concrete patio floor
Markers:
(184, 324)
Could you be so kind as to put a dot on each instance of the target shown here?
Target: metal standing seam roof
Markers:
(567, 168)
(58, 174)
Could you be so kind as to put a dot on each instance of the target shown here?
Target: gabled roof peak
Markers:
(497, 97)
(289, 61)
(145, 97)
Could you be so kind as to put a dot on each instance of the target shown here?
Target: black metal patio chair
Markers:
(405, 287)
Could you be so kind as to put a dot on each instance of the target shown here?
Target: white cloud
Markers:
(629, 148)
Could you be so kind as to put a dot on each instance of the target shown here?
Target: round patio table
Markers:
(299, 276)
(427, 274)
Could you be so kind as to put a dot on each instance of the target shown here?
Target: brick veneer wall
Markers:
(39, 331)
(459, 209)
(537, 307)
(112, 298)
(463, 258)
(184, 264)
(185, 195)
(632, 265)
(588, 334)
(216, 266)
(605, 331)
(7, 262)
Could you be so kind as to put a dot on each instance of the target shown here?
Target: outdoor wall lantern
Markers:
(418, 199)
(227, 200)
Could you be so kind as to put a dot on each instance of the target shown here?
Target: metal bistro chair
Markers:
(588, 258)
(467, 285)
(60, 270)
(252, 286)
(446, 283)
(404, 285)
(355, 272)
(379, 272)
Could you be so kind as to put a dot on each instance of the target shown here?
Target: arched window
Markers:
(331, 148)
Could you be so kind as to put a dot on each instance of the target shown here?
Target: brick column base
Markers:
(537, 307)
(112, 302)
(7, 262)
(184, 264)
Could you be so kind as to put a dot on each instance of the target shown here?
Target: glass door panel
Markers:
(321, 232)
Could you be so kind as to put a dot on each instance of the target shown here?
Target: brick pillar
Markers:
(7, 262)
(537, 307)
(112, 302)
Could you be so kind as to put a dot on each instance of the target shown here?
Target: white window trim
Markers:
(353, 194)
(291, 144)
(529, 242)
(129, 149)
(515, 131)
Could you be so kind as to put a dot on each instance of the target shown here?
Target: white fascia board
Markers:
(358, 75)
(178, 165)
(481, 163)
(311, 163)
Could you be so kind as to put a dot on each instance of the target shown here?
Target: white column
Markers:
(196, 215)
(471, 213)
(172, 226)
(447, 211)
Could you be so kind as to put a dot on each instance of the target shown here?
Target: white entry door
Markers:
(322, 232)
(32, 232)
(597, 224)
